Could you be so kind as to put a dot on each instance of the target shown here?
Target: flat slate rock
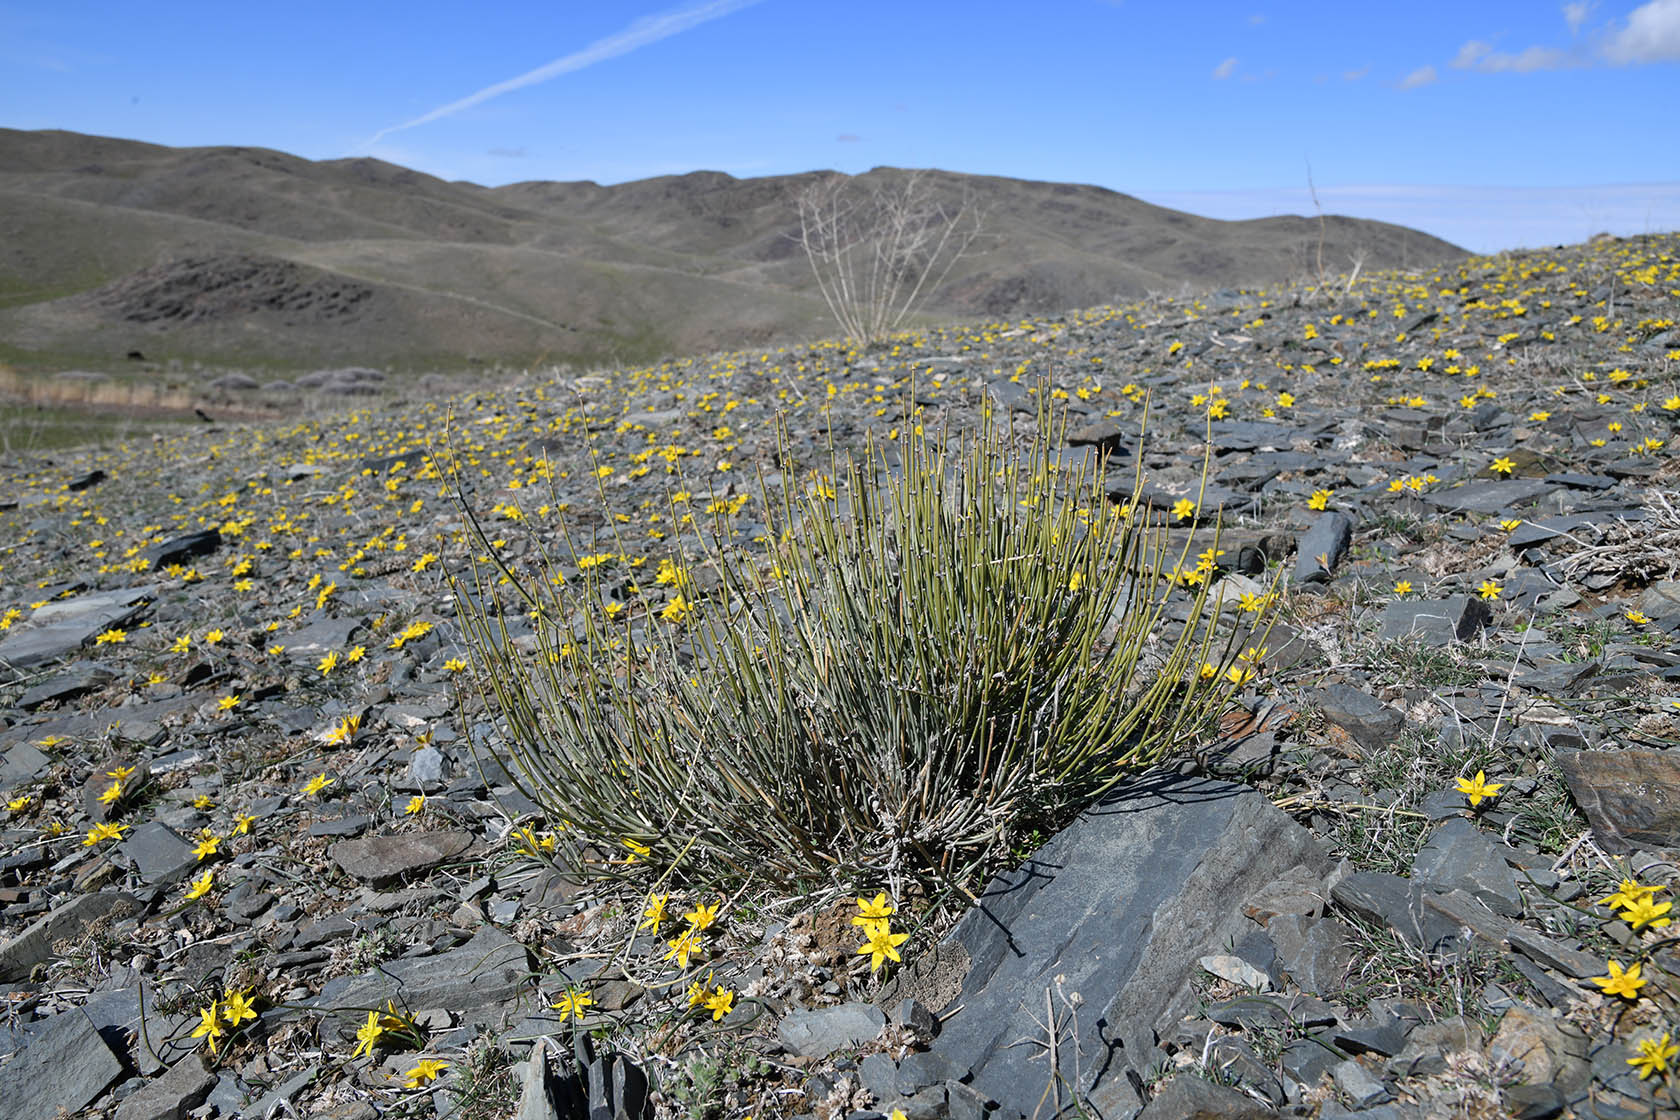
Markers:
(1120, 906)
(66, 1064)
(1435, 622)
(1490, 497)
(63, 627)
(1631, 798)
(384, 860)
(819, 1032)
(487, 974)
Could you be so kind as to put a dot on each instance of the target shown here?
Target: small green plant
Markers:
(485, 1087)
(940, 648)
(374, 947)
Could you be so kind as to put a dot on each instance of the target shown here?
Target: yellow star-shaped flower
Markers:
(1478, 789)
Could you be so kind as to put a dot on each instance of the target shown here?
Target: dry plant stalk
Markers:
(1635, 550)
(875, 255)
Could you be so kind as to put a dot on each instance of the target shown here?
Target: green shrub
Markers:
(952, 645)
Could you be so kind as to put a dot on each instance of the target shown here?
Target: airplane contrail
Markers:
(648, 29)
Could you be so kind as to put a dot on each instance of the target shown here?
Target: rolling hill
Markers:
(252, 257)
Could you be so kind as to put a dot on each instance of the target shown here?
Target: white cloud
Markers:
(1525, 61)
(641, 33)
(1652, 34)
(1225, 69)
(1477, 55)
(1355, 75)
(1575, 14)
(1469, 53)
(1422, 76)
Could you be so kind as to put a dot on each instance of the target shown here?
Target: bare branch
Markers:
(908, 242)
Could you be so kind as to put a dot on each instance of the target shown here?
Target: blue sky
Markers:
(1494, 124)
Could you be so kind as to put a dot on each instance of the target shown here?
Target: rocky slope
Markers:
(1412, 875)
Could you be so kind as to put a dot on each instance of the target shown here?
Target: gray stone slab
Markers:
(1118, 907)
(1322, 547)
(65, 1066)
(158, 853)
(1490, 497)
(1631, 798)
(78, 680)
(173, 1095)
(820, 1031)
(34, 944)
(60, 628)
(22, 762)
(1458, 856)
(1372, 723)
(488, 972)
(1435, 622)
(384, 860)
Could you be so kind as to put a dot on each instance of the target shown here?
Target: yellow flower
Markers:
(655, 912)
(1647, 911)
(882, 945)
(1489, 589)
(1502, 465)
(1320, 499)
(355, 654)
(237, 1008)
(113, 793)
(343, 731)
(683, 947)
(872, 912)
(720, 1003)
(454, 665)
(329, 662)
(1403, 587)
(201, 886)
(637, 851)
(702, 916)
(1620, 983)
(1478, 789)
(227, 703)
(1654, 1054)
(1183, 508)
(316, 784)
(1511, 525)
(424, 1072)
(209, 1025)
(242, 824)
(111, 637)
(214, 636)
(104, 832)
(208, 842)
(367, 1036)
(1627, 893)
(1638, 618)
(415, 804)
(572, 1004)
(181, 644)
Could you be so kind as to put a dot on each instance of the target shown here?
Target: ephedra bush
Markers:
(950, 645)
